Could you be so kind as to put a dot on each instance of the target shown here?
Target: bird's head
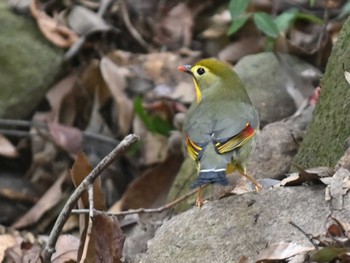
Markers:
(208, 72)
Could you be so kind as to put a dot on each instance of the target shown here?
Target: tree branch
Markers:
(65, 213)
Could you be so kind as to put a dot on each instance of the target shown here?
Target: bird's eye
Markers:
(200, 71)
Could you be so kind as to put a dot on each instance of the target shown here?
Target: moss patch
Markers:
(324, 143)
(29, 64)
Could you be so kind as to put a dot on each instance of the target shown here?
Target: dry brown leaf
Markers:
(59, 35)
(66, 249)
(57, 93)
(151, 188)
(93, 82)
(7, 149)
(6, 241)
(291, 46)
(115, 79)
(154, 147)
(175, 29)
(81, 168)
(52, 196)
(56, 96)
(242, 47)
(282, 251)
(310, 175)
(106, 240)
(184, 92)
(69, 138)
(243, 259)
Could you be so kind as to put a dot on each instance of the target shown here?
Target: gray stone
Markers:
(276, 88)
(225, 230)
(276, 144)
(29, 65)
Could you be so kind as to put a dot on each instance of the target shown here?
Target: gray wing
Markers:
(203, 122)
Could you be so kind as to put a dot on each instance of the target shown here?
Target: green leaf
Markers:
(138, 107)
(238, 8)
(237, 24)
(269, 44)
(161, 126)
(265, 23)
(154, 124)
(310, 18)
(285, 20)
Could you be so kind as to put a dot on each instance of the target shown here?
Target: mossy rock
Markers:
(324, 142)
(29, 64)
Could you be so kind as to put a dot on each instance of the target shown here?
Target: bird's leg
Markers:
(243, 171)
(257, 185)
(199, 201)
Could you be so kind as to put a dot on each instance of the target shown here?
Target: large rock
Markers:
(327, 134)
(29, 64)
(270, 83)
(225, 230)
(276, 144)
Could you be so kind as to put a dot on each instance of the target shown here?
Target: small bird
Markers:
(220, 124)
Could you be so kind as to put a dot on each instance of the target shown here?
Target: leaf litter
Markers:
(118, 88)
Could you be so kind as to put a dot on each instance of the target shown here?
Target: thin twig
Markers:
(305, 234)
(15, 133)
(141, 210)
(89, 227)
(63, 216)
(38, 124)
(130, 27)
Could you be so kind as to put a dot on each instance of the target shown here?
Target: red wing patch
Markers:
(236, 141)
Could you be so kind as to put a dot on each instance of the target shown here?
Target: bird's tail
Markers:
(211, 177)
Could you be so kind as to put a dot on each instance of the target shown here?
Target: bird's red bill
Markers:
(185, 68)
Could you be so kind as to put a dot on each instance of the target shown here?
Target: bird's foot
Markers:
(257, 187)
(199, 200)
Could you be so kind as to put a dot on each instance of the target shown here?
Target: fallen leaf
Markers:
(52, 196)
(282, 251)
(69, 138)
(309, 175)
(151, 188)
(66, 249)
(56, 96)
(84, 21)
(106, 240)
(93, 82)
(234, 51)
(58, 34)
(115, 79)
(154, 148)
(81, 168)
(7, 149)
(175, 29)
(6, 241)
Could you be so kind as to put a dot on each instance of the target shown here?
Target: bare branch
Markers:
(63, 216)
(141, 210)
